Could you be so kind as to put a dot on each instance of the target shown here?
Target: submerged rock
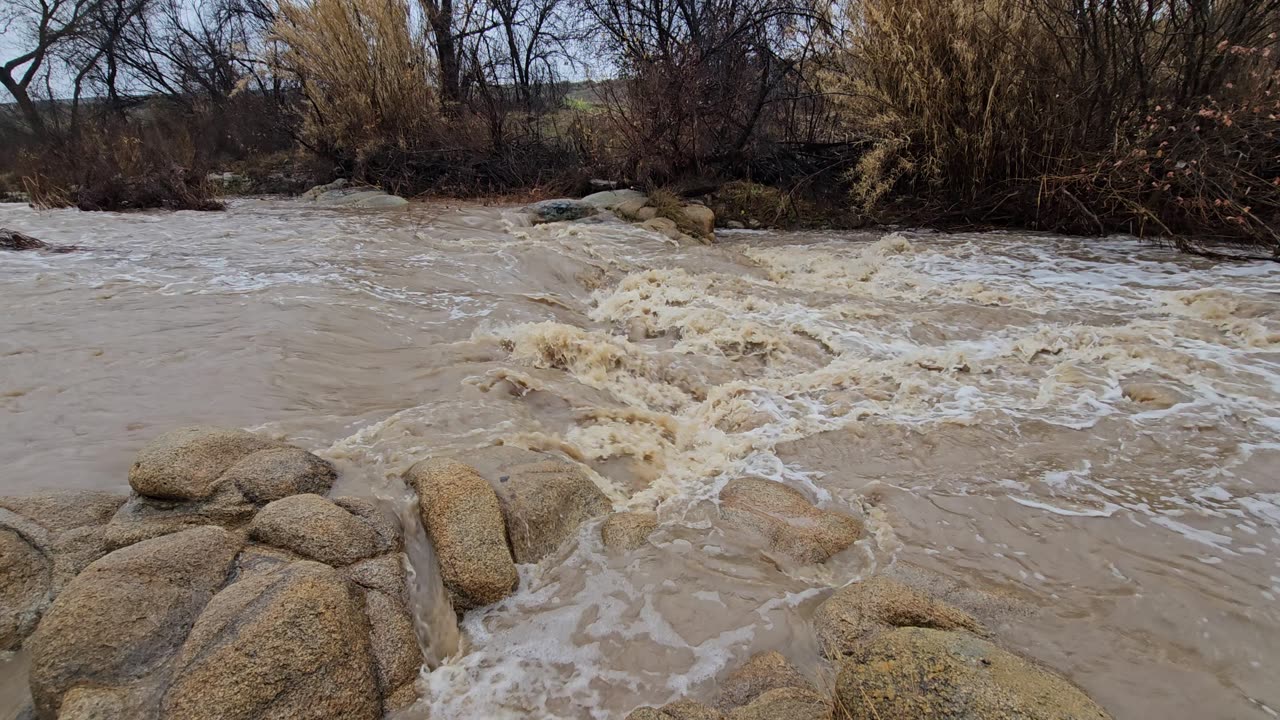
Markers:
(186, 464)
(544, 499)
(911, 673)
(292, 643)
(18, 242)
(560, 210)
(315, 528)
(627, 530)
(789, 522)
(762, 673)
(860, 610)
(126, 614)
(463, 518)
(279, 472)
(340, 193)
(611, 199)
(785, 703)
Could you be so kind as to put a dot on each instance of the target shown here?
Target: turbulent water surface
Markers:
(1091, 427)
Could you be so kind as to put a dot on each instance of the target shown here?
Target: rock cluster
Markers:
(501, 507)
(225, 586)
(900, 654)
(341, 193)
(685, 222)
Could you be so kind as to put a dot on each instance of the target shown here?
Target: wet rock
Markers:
(787, 703)
(735, 225)
(544, 499)
(340, 193)
(286, 644)
(463, 518)
(762, 673)
(1157, 397)
(315, 528)
(46, 540)
(699, 218)
(610, 199)
(186, 464)
(911, 673)
(16, 241)
(393, 643)
(25, 586)
(143, 518)
(381, 201)
(679, 710)
(319, 190)
(385, 527)
(560, 210)
(664, 226)
(279, 472)
(126, 614)
(384, 573)
(858, 611)
(785, 517)
(628, 530)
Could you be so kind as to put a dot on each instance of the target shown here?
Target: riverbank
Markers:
(1081, 425)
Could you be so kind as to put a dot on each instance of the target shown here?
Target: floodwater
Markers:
(1090, 427)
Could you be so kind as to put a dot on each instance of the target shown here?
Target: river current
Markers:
(1088, 427)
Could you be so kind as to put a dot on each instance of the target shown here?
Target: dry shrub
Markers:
(1145, 117)
(119, 165)
(744, 201)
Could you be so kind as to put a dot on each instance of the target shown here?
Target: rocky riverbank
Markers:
(227, 584)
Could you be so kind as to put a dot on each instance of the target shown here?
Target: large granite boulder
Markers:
(125, 616)
(544, 499)
(143, 518)
(860, 610)
(292, 643)
(279, 472)
(627, 530)
(790, 524)
(762, 673)
(45, 540)
(186, 464)
(560, 210)
(911, 673)
(315, 528)
(396, 652)
(463, 518)
(679, 710)
(611, 199)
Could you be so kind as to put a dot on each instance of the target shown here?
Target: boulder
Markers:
(185, 464)
(791, 524)
(319, 190)
(787, 703)
(315, 528)
(384, 573)
(16, 241)
(279, 472)
(384, 526)
(463, 518)
(560, 210)
(392, 640)
(381, 201)
(860, 610)
(633, 209)
(142, 518)
(664, 226)
(762, 673)
(126, 614)
(699, 218)
(911, 673)
(679, 710)
(66, 509)
(26, 582)
(627, 530)
(292, 643)
(611, 199)
(544, 499)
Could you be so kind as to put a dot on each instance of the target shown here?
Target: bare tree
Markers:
(45, 26)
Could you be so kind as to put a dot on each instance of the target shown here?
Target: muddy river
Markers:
(1090, 427)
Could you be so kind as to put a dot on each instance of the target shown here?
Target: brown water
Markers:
(1092, 427)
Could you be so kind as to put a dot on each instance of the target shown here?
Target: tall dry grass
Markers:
(1157, 117)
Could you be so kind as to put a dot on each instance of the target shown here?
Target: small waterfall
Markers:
(433, 616)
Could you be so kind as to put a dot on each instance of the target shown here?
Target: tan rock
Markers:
(860, 610)
(788, 521)
(26, 582)
(384, 573)
(544, 499)
(385, 526)
(279, 472)
(65, 509)
(143, 518)
(126, 614)
(315, 528)
(463, 518)
(663, 226)
(396, 653)
(185, 464)
(912, 673)
(786, 703)
(699, 218)
(627, 530)
(679, 710)
(762, 673)
(292, 643)
(648, 212)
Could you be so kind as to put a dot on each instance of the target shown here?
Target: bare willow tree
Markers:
(41, 28)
